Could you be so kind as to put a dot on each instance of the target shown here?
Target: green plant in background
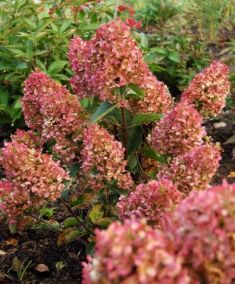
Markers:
(175, 58)
(157, 12)
(37, 35)
(209, 16)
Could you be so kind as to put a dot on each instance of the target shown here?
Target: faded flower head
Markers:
(110, 60)
(32, 178)
(103, 159)
(50, 109)
(202, 229)
(209, 89)
(179, 131)
(150, 201)
(194, 169)
(133, 253)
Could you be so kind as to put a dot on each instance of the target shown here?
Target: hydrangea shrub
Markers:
(98, 140)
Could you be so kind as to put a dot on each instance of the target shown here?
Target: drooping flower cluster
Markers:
(103, 158)
(150, 201)
(110, 60)
(179, 131)
(50, 109)
(133, 253)
(203, 228)
(194, 169)
(32, 177)
(209, 89)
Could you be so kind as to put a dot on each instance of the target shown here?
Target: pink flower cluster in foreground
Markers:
(103, 158)
(194, 169)
(209, 89)
(32, 177)
(50, 109)
(132, 253)
(110, 60)
(202, 229)
(150, 201)
(179, 131)
(197, 245)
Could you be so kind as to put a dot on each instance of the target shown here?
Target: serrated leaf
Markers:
(145, 118)
(104, 109)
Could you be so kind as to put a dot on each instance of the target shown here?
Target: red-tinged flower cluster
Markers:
(157, 97)
(50, 109)
(110, 60)
(179, 131)
(126, 8)
(209, 89)
(28, 138)
(194, 169)
(133, 253)
(131, 22)
(203, 229)
(103, 159)
(150, 201)
(32, 177)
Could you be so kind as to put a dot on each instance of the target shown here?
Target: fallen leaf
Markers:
(42, 268)
(232, 175)
(2, 252)
(12, 242)
(230, 140)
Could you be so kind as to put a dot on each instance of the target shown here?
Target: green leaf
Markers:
(104, 109)
(151, 153)
(135, 138)
(145, 118)
(89, 27)
(132, 161)
(4, 96)
(17, 104)
(174, 56)
(96, 214)
(70, 222)
(48, 212)
(134, 92)
(65, 26)
(144, 40)
(159, 50)
(74, 170)
(18, 52)
(56, 67)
